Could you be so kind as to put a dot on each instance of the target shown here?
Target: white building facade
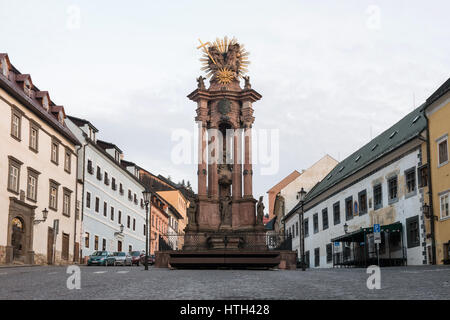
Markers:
(379, 184)
(113, 208)
(38, 197)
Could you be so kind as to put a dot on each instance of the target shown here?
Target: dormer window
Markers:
(27, 87)
(61, 117)
(4, 66)
(45, 102)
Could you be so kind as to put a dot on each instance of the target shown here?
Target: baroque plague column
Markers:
(224, 214)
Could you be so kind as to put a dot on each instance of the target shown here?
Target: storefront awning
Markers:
(358, 235)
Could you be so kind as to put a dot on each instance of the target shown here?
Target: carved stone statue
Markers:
(260, 211)
(225, 211)
(201, 83)
(192, 212)
(247, 84)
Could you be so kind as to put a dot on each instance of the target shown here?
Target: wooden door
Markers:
(65, 246)
(50, 240)
(76, 254)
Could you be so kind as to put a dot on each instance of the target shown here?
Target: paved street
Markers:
(429, 282)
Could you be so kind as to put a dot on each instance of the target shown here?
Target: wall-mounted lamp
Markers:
(44, 216)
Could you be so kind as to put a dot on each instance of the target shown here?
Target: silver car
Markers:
(122, 258)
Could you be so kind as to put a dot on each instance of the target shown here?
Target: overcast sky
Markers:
(332, 74)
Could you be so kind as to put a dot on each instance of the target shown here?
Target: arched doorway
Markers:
(18, 238)
(20, 232)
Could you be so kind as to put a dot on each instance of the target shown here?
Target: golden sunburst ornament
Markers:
(224, 60)
(225, 75)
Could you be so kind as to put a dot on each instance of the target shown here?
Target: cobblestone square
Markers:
(427, 282)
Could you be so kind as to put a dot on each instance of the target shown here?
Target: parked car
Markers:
(151, 258)
(101, 258)
(135, 257)
(122, 258)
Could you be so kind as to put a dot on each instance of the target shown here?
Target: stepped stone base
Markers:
(238, 259)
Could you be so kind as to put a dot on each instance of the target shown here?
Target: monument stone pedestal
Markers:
(224, 223)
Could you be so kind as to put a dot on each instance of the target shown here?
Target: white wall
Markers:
(95, 223)
(41, 162)
(404, 208)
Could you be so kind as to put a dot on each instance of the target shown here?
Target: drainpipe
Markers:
(76, 201)
(430, 193)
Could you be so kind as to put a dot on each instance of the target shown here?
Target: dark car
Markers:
(135, 257)
(151, 258)
(101, 258)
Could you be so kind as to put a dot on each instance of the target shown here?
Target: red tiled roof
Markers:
(16, 91)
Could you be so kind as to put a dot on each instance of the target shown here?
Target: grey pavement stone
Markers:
(421, 282)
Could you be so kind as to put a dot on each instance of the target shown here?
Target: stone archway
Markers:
(18, 238)
(20, 232)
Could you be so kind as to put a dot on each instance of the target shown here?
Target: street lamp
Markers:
(301, 196)
(346, 227)
(44, 216)
(147, 199)
(121, 231)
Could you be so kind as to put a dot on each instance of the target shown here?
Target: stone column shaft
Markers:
(248, 162)
(237, 165)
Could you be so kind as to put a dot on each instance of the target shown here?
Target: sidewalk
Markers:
(17, 265)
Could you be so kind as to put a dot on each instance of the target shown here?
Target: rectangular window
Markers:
(66, 202)
(130, 197)
(120, 217)
(329, 253)
(443, 151)
(336, 213)
(96, 243)
(413, 232)
(316, 222)
(317, 257)
(99, 173)
(105, 209)
(106, 178)
(104, 244)
(362, 201)
(86, 240)
(53, 201)
(296, 228)
(325, 219)
(128, 222)
(113, 184)
(112, 213)
(14, 174)
(16, 122)
(410, 177)
(90, 168)
(392, 189)
(444, 204)
(349, 208)
(55, 152)
(377, 197)
(88, 200)
(67, 161)
(306, 227)
(32, 185)
(423, 176)
(134, 224)
(97, 204)
(34, 136)
(121, 189)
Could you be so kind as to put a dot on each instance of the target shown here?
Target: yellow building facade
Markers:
(180, 203)
(437, 111)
